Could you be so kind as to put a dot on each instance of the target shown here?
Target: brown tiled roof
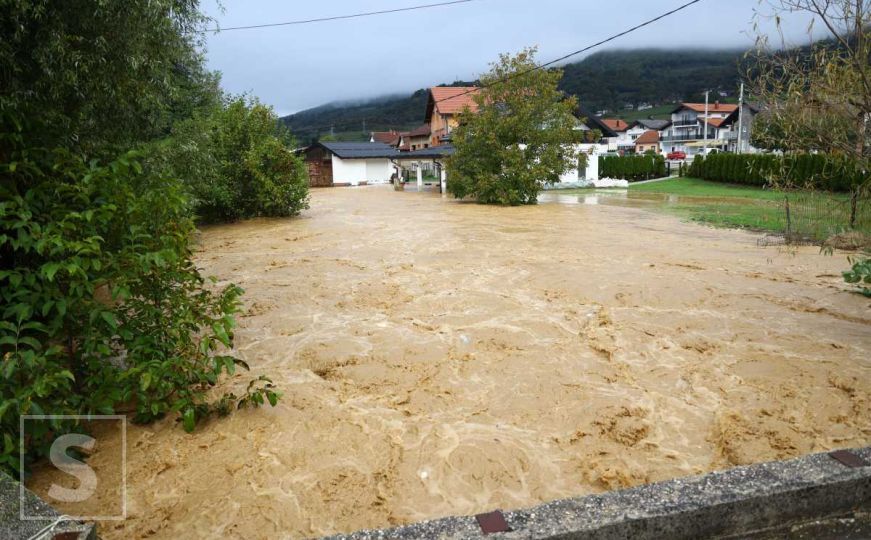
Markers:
(420, 131)
(715, 107)
(615, 124)
(386, 137)
(452, 99)
(716, 122)
(648, 137)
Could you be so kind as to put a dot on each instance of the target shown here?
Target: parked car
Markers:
(676, 156)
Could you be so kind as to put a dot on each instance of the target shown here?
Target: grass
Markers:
(814, 215)
(662, 112)
(694, 187)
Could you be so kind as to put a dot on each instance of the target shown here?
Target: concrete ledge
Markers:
(735, 502)
(12, 527)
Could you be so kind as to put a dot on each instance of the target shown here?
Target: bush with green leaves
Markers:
(810, 171)
(236, 161)
(103, 307)
(860, 274)
(632, 168)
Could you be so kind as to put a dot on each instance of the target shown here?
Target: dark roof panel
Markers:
(360, 150)
(433, 152)
(652, 123)
(594, 122)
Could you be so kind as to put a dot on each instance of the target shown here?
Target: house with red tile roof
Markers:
(621, 140)
(647, 142)
(443, 108)
(416, 139)
(695, 128)
(387, 137)
(616, 125)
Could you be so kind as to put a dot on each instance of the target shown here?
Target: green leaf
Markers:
(189, 420)
(109, 317)
(50, 269)
(272, 397)
(221, 334)
(145, 381)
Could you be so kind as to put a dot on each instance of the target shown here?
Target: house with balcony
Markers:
(695, 128)
(730, 126)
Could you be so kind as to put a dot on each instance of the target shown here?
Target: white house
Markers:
(687, 132)
(618, 139)
(349, 163)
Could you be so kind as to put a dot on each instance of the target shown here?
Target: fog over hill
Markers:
(606, 80)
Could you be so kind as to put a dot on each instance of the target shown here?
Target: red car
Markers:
(676, 156)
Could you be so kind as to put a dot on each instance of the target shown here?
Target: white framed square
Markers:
(91, 418)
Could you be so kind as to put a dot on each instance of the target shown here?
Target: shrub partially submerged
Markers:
(103, 308)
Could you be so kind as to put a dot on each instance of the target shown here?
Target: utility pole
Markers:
(705, 122)
(364, 126)
(332, 131)
(741, 120)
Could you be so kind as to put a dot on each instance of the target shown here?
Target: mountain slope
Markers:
(605, 80)
(611, 79)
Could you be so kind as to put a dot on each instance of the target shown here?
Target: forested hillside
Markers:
(605, 80)
(611, 79)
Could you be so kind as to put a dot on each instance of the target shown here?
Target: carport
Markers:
(435, 155)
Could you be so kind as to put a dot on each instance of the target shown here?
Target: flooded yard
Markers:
(442, 358)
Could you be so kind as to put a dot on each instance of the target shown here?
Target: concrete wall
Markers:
(354, 172)
(593, 152)
(768, 500)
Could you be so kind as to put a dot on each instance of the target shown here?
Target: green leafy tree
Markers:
(101, 76)
(237, 162)
(817, 98)
(101, 306)
(521, 137)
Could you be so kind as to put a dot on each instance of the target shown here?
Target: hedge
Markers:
(632, 168)
(818, 171)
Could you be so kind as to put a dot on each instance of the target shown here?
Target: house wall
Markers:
(419, 142)
(378, 171)
(353, 172)
(635, 132)
(441, 124)
(593, 152)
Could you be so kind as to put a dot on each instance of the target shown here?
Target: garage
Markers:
(349, 163)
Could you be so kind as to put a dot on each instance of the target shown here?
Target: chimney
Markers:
(717, 104)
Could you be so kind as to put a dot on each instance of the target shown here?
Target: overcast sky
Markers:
(297, 67)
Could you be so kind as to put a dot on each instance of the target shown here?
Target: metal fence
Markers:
(820, 218)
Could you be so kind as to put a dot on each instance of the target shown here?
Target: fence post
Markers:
(854, 202)
(788, 221)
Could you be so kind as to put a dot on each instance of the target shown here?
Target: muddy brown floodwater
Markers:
(443, 358)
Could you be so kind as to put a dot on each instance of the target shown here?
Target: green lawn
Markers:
(816, 215)
(694, 187)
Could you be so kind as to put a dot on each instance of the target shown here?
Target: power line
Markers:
(334, 18)
(577, 52)
(564, 57)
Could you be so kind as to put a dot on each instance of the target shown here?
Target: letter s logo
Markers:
(86, 475)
